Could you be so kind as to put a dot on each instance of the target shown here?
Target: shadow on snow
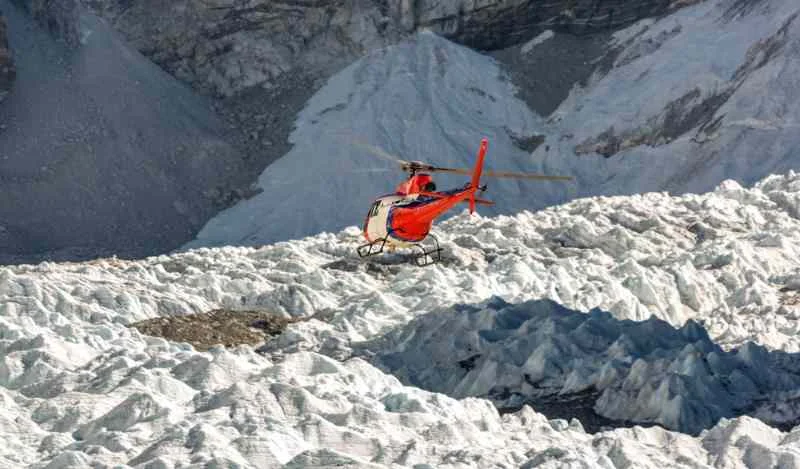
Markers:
(604, 371)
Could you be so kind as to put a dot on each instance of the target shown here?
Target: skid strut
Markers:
(425, 255)
(430, 255)
(371, 249)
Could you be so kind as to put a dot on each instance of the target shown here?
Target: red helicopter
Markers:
(404, 219)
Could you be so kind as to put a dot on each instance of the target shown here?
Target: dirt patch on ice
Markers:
(219, 327)
(578, 406)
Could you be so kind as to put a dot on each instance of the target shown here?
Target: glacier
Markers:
(80, 388)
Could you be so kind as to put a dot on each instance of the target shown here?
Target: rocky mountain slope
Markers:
(702, 95)
(60, 18)
(101, 151)
(263, 59)
(676, 104)
(229, 45)
(7, 70)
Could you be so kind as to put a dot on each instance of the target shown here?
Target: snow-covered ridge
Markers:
(425, 99)
(77, 386)
(684, 102)
(699, 96)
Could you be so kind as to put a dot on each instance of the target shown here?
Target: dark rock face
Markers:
(497, 24)
(545, 75)
(60, 17)
(7, 71)
(227, 46)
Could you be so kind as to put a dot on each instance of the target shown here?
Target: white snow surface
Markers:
(705, 94)
(537, 41)
(80, 389)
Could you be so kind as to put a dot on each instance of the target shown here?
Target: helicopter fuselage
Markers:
(406, 219)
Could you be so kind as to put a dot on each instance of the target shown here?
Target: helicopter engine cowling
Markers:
(415, 184)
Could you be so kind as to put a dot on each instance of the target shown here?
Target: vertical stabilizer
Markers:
(476, 173)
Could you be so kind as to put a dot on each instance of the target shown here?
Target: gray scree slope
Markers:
(101, 151)
(7, 71)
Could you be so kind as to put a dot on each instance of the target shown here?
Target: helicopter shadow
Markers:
(389, 263)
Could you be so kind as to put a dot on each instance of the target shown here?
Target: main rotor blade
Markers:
(404, 164)
(436, 169)
(420, 166)
(512, 175)
(369, 170)
(377, 151)
(500, 174)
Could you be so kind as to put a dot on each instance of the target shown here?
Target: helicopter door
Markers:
(375, 225)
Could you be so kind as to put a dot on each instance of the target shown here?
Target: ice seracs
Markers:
(645, 371)
(79, 387)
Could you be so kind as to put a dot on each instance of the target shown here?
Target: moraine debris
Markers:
(218, 327)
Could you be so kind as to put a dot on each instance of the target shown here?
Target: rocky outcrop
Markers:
(60, 17)
(497, 24)
(226, 46)
(7, 71)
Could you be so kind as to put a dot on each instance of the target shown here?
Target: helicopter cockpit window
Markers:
(375, 208)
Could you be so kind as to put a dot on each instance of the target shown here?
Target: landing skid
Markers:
(423, 257)
(430, 255)
(371, 249)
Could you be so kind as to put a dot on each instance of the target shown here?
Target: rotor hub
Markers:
(414, 166)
